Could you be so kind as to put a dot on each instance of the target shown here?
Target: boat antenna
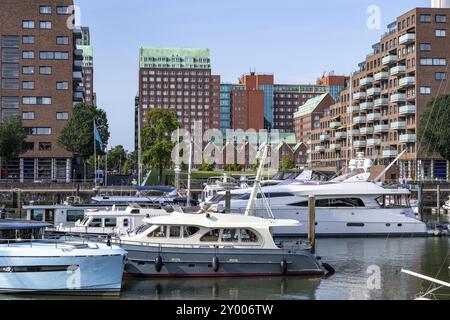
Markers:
(378, 178)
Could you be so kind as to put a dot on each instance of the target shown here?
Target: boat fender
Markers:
(108, 242)
(329, 268)
(158, 263)
(215, 264)
(284, 266)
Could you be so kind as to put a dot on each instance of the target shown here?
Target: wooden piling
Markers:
(438, 199)
(228, 201)
(312, 223)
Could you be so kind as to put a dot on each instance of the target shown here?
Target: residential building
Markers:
(41, 71)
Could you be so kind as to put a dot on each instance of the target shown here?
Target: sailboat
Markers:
(440, 284)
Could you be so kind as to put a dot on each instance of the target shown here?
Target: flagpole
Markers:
(106, 166)
(95, 159)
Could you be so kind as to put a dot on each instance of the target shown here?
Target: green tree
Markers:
(207, 166)
(434, 128)
(286, 164)
(78, 135)
(117, 157)
(12, 139)
(130, 165)
(156, 139)
(256, 165)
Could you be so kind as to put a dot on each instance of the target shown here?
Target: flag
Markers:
(98, 138)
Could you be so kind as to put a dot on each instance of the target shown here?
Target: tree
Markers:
(256, 165)
(286, 164)
(130, 165)
(156, 139)
(78, 135)
(434, 128)
(117, 157)
(12, 139)
(207, 166)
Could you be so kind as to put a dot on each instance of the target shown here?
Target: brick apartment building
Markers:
(390, 91)
(41, 73)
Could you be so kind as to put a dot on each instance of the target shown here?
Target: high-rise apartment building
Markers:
(390, 91)
(40, 76)
(180, 79)
(84, 44)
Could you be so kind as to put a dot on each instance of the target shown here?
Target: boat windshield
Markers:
(217, 198)
(85, 220)
(141, 228)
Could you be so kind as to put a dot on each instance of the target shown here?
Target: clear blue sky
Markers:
(296, 40)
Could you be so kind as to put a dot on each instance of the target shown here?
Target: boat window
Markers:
(37, 214)
(96, 223)
(230, 235)
(75, 215)
(333, 203)
(212, 236)
(110, 222)
(125, 222)
(267, 195)
(190, 231)
(175, 232)
(135, 211)
(355, 225)
(248, 236)
(160, 232)
(141, 229)
(217, 198)
(394, 201)
(85, 220)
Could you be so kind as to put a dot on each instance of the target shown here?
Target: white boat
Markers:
(214, 244)
(42, 266)
(223, 183)
(116, 222)
(446, 205)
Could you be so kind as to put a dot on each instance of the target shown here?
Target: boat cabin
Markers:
(21, 230)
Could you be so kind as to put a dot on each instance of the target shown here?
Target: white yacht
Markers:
(43, 266)
(446, 205)
(104, 222)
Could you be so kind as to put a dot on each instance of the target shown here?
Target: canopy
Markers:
(22, 224)
(155, 188)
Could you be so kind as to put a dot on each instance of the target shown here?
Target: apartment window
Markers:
(62, 86)
(440, 76)
(441, 18)
(28, 70)
(45, 25)
(45, 146)
(51, 55)
(28, 24)
(27, 115)
(10, 107)
(45, 10)
(28, 39)
(45, 70)
(38, 131)
(62, 116)
(37, 100)
(425, 90)
(62, 40)
(426, 18)
(440, 33)
(28, 54)
(425, 47)
(28, 85)
(62, 10)
(439, 62)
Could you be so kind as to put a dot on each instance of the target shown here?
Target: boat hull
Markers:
(201, 262)
(95, 274)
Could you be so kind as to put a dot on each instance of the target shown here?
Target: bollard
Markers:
(312, 223)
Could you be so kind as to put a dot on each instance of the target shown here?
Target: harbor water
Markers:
(366, 269)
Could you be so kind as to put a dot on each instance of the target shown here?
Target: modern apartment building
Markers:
(84, 44)
(180, 79)
(390, 91)
(41, 73)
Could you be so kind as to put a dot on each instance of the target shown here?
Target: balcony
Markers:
(78, 89)
(360, 119)
(359, 96)
(77, 76)
(324, 137)
(398, 70)
(335, 124)
(381, 128)
(319, 148)
(366, 106)
(373, 117)
(373, 91)
(398, 125)
(373, 142)
(78, 54)
(381, 102)
(335, 146)
(77, 65)
(390, 153)
(389, 59)
(407, 82)
(407, 38)
(360, 144)
(381, 76)
(366, 130)
(353, 133)
(353, 109)
(408, 109)
(364, 82)
(398, 97)
(77, 33)
(405, 138)
(341, 135)
(78, 97)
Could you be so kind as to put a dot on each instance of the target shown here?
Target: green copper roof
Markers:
(88, 55)
(309, 105)
(175, 58)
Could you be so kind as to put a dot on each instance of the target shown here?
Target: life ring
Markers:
(284, 266)
(215, 264)
(158, 263)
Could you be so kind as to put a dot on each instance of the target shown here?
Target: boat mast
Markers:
(257, 185)
(188, 193)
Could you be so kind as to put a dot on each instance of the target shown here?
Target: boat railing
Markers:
(188, 246)
(58, 243)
